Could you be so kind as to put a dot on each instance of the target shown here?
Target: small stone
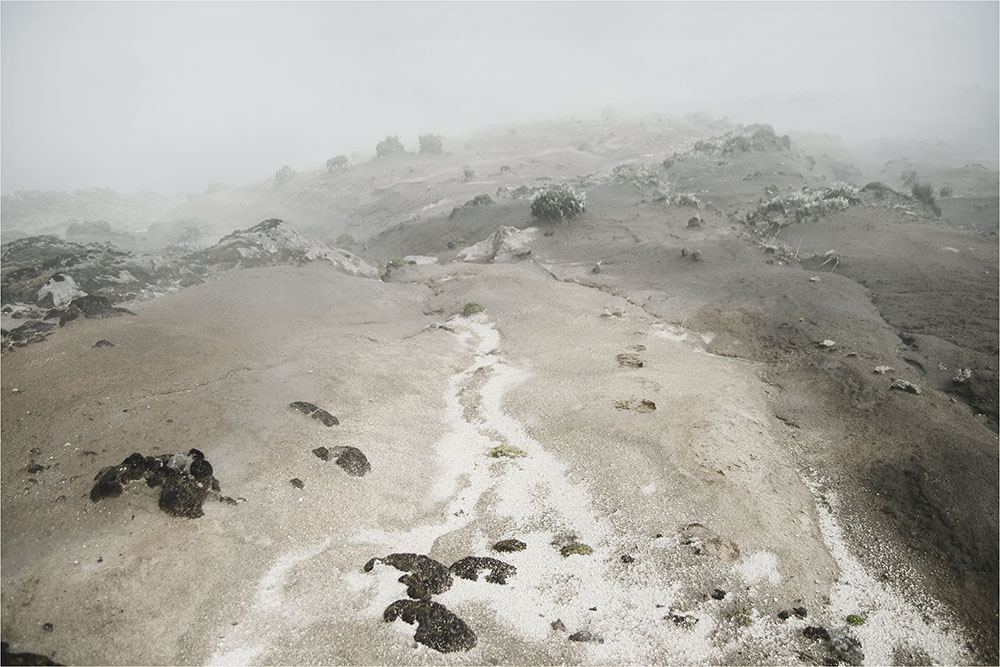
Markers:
(627, 558)
(558, 625)
(685, 252)
(297, 483)
(48, 627)
(904, 385)
(882, 370)
(816, 632)
(322, 452)
(585, 636)
(827, 343)
(35, 450)
(718, 594)
(510, 545)
(104, 343)
(784, 614)
(35, 468)
(800, 612)
(629, 360)
(696, 255)
(814, 279)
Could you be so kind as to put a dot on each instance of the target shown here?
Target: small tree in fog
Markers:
(283, 175)
(391, 144)
(925, 193)
(335, 163)
(431, 143)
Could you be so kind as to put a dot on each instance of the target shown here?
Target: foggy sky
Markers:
(171, 96)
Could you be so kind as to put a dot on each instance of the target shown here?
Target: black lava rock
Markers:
(8, 658)
(627, 559)
(718, 594)
(91, 306)
(183, 496)
(314, 411)
(297, 483)
(427, 576)
(352, 460)
(107, 484)
(34, 468)
(784, 614)
(104, 343)
(437, 627)
(816, 632)
(510, 545)
(585, 636)
(799, 611)
(322, 452)
(469, 567)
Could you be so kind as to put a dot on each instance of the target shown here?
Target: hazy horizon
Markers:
(169, 97)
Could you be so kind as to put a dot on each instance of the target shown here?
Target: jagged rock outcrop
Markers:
(506, 244)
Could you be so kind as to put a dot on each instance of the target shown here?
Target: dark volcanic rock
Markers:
(8, 658)
(469, 567)
(186, 480)
(31, 331)
(848, 649)
(437, 627)
(510, 545)
(585, 636)
(718, 594)
(816, 632)
(297, 483)
(104, 343)
(91, 307)
(352, 460)
(322, 452)
(312, 410)
(426, 576)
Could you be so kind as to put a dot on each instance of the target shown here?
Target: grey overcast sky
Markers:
(169, 96)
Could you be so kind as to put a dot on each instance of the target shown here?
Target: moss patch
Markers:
(507, 452)
(471, 309)
(855, 619)
(578, 548)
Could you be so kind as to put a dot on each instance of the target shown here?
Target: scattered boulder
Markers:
(312, 410)
(437, 627)
(186, 479)
(58, 292)
(469, 567)
(91, 307)
(816, 632)
(585, 636)
(425, 577)
(718, 594)
(506, 244)
(510, 545)
(848, 649)
(694, 223)
(9, 658)
(104, 343)
(351, 459)
(904, 385)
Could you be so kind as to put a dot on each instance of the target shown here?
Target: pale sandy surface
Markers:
(278, 578)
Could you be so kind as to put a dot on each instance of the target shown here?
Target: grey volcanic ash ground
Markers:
(586, 447)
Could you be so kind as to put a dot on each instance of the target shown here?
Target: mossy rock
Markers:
(577, 548)
(510, 545)
(507, 452)
(471, 308)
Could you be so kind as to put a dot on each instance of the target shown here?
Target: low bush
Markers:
(431, 143)
(345, 239)
(558, 202)
(925, 193)
(335, 163)
(388, 146)
(283, 175)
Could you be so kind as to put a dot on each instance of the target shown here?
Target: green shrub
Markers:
(471, 309)
(283, 175)
(431, 143)
(345, 239)
(388, 146)
(855, 619)
(335, 163)
(397, 261)
(558, 202)
(925, 193)
(507, 452)
(577, 548)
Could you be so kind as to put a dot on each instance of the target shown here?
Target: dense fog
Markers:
(170, 96)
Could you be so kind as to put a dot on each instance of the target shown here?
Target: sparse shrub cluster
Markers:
(946, 192)
(468, 173)
(925, 193)
(391, 144)
(636, 174)
(558, 202)
(337, 162)
(431, 144)
(283, 175)
(802, 206)
(345, 239)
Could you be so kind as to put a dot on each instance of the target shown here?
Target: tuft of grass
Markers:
(855, 619)
(397, 261)
(577, 548)
(471, 308)
(507, 452)
(345, 239)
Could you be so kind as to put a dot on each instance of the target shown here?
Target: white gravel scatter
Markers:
(891, 621)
